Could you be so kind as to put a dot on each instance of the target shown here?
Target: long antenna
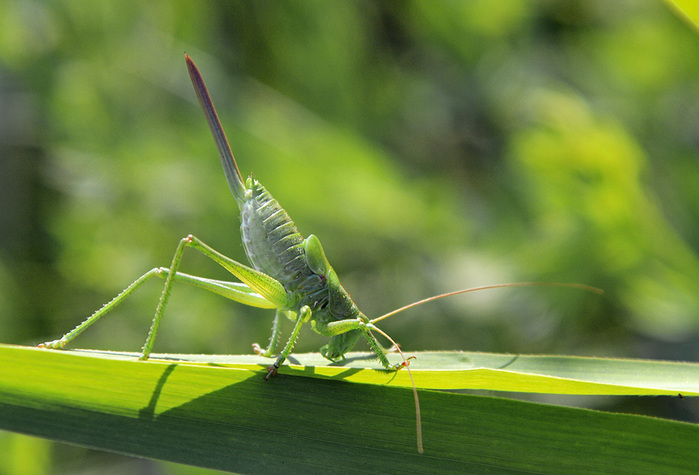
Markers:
(588, 288)
(406, 364)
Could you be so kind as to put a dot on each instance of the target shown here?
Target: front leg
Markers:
(345, 334)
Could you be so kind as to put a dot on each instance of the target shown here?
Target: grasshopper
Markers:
(289, 274)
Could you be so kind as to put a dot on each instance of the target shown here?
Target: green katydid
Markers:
(289, 274)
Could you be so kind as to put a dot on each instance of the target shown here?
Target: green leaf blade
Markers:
(210, 415)
(495, 372)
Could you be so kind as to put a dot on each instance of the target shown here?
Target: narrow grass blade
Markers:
(214, 416)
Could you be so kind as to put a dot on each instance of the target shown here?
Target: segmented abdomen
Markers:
(274, 245)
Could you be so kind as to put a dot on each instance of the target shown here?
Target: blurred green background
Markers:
(430, 145)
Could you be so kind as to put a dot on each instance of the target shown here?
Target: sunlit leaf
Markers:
(217, 416)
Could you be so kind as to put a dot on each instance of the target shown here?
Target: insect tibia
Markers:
(273, 339)
(271, 371)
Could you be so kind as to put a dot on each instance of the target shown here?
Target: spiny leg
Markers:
(236, 291)
(164, 297)
(380, 351)
(273, 339)
(303, 316)
(232, 290)
(343, 326)
(268, 288)
(106, 308)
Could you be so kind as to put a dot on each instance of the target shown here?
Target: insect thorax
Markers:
(274, 246)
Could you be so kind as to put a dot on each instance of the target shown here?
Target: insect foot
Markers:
(404, 364)
(258, 349)
(271, 371)
(54, 345)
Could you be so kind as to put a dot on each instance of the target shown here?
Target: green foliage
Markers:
(220, 415)
(430, 145)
